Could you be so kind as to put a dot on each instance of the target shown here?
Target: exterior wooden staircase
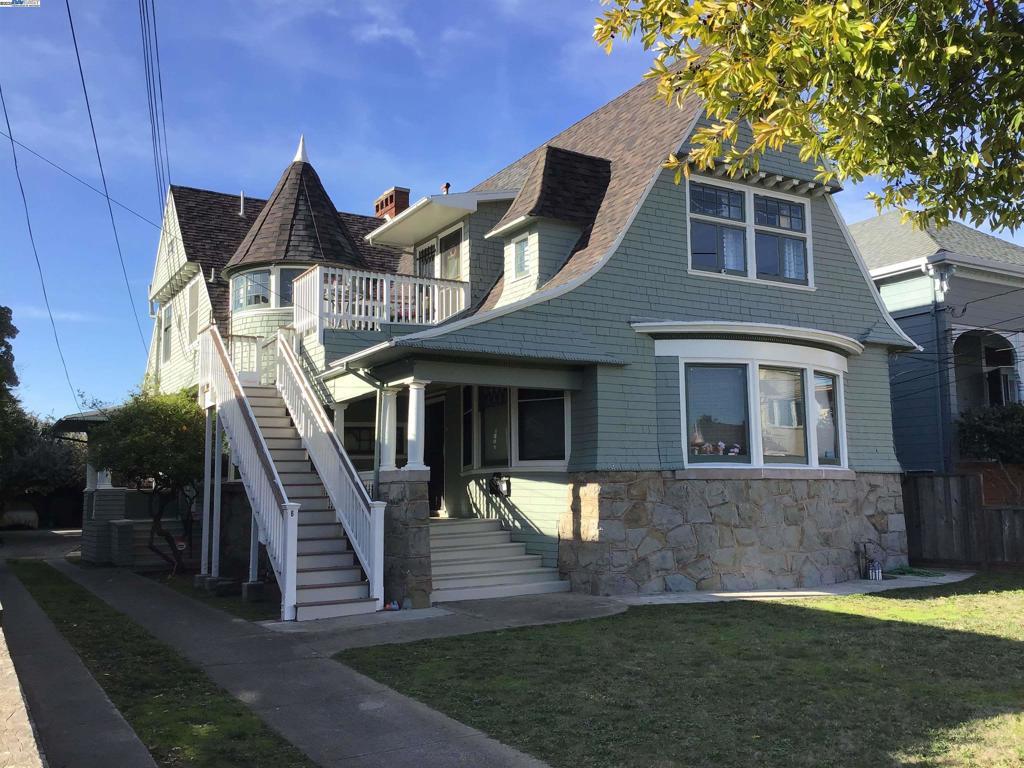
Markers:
(330, 581)
(474, 558)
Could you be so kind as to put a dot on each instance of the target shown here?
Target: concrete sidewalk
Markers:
(76, 724)
(858, 587)
(332, 713)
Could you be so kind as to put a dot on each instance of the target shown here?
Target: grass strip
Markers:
(265, 610)
(918, 677)
(181, 716)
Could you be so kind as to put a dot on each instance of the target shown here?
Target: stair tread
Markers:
(347, 600)
(329, 568)
(332, 585)
(543, 569)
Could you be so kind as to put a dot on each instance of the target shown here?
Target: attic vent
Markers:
(391, 203)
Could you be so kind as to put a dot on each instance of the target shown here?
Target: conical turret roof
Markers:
(299, 223)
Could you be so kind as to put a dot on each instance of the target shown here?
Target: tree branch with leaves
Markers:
(927, 95)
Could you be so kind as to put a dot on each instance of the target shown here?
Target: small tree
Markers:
(155, 442)
(995, 433)
(40, 464)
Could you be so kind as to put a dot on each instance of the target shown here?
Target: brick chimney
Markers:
(391, 203)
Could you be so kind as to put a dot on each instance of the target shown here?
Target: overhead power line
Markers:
(103, 178)
(35, 252)
(155, 97)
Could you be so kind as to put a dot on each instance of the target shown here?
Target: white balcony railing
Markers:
(355, 300)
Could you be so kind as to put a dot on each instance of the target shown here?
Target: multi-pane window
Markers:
(251, 290)
(522, 266)
(770, 212)
(736, 232)
(827, 419)
(425, 260)
(716, 201)
(450, 246)
(783, 435)
(541, 423)
(286, 280)
(717, 423)
(166, 331)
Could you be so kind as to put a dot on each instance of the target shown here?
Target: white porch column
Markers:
(339, 420)
(389, 429)
(204, 562)
(218, 450)
(416, 424)
(90, 477)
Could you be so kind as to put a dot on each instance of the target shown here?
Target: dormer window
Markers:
(736, 233)
(522, 265)
(441, 257)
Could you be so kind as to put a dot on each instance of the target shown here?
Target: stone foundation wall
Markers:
(627, 532)
(406, 536)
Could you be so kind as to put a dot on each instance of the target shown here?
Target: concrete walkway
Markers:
(332, 713)
(76, 724)
(858, 587)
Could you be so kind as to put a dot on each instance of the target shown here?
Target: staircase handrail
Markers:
(361, 517)
(277, 518)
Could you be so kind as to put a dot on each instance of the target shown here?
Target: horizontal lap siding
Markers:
(917, 412)
(181, 370)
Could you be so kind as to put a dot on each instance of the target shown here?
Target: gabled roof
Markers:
(884, 241)
(562, 184)
(299, 223)
(633, 133)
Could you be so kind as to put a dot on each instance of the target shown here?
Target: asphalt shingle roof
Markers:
(884, 240)
(212, 230)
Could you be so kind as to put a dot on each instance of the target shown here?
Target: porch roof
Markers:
(393, 350)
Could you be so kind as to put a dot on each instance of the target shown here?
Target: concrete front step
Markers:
(503, 590)
(444, 568)
(337, 575)
(330, 530)
(332, 592)
(338, 559)
(443, 528)
(492, 578)
(322, 546)
(333, 609)
(447, 554)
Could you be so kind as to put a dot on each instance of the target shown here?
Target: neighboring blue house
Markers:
(576, 374)
(958, 293)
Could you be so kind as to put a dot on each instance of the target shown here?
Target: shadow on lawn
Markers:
(729, 684)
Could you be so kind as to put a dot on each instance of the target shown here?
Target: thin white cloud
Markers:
(61, 315)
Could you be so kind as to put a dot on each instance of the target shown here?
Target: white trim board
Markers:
(696, 327)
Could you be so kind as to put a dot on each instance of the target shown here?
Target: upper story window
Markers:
(286, 278)
(441, 256)
(251, 290)
(735, 232)
(522, 265)
(193, 310)
(166, 330)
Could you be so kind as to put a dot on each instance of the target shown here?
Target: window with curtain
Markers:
(166, 332)
(286, 280)
(541, 424)
(450, 247)
(251, 290)
(494, 426)
(717, 422)
(783, 435)
(827, 423)
(780, 258)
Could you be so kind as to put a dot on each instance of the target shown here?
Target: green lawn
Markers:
(269, 609)
(177, 712)
(923, 677)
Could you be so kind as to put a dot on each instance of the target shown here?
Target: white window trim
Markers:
(436, 242)
(754, 354)
(274, 286)
(513, 431)
(193, 344)
(166, 332)
(516, 274)
(751, 230)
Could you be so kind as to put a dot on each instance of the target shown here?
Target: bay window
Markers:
(514, 427)
(759, 403)
(734, 232)
(285, 281)
(251, 290)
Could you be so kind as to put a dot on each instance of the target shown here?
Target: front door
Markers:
(433, 453)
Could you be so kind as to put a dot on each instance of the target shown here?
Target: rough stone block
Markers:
(677, 582)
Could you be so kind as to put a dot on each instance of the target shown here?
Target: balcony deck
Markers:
(357, 300)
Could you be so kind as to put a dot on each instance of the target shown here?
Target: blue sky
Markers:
(387, 93)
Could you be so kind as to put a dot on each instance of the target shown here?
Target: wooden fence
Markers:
(947, 524)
